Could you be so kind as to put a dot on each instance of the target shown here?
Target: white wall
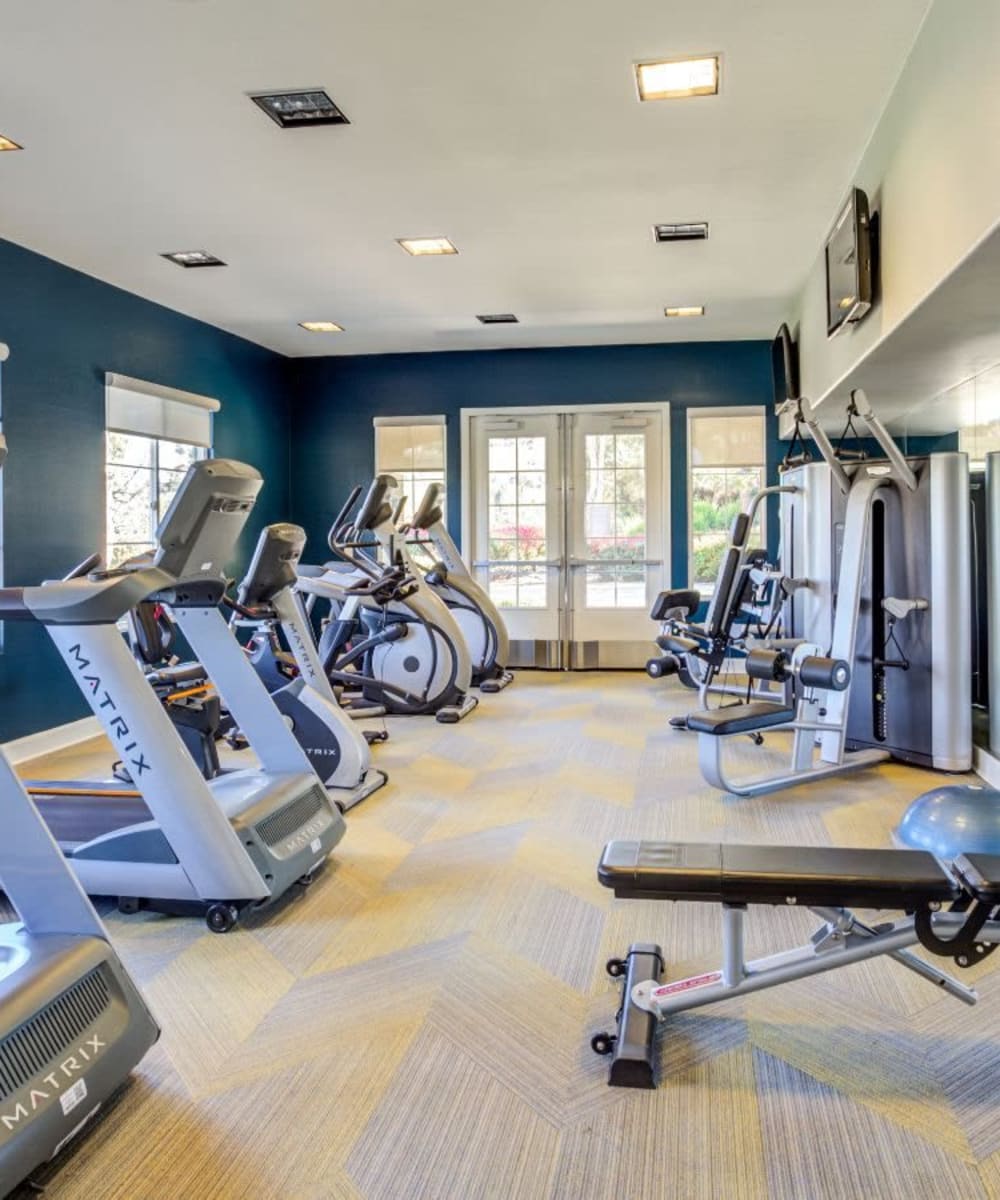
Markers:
(932, 169)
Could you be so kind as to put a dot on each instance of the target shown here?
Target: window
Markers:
(726, 467)
(412, 450)
(153, 435)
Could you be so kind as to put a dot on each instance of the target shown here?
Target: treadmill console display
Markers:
(206, 516)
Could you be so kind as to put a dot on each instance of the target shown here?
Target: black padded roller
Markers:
(767, 664)
(659, 668)
(831, 673)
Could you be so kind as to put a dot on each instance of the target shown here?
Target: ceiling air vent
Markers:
(193, 258)
(682, 231)
(497, 319)
(301, 109)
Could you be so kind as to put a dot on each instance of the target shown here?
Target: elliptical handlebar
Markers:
(375, 498)
(342, 516)
(91, 563)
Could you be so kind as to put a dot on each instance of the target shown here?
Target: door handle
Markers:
(550, 564)
(577, 563)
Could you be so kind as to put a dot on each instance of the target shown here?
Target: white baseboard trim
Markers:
(986, 765)
(49, 741)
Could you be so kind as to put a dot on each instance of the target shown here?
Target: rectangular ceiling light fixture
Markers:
(497, 319)
(301, 109)
(673, 79)
(193, 258)
(427, 245)
(321, 326)
(685, 231)
(7, 144)
(686, 310)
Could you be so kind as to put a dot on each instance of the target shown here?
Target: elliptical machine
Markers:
(266, 601)
(477, 616)
(388, 636)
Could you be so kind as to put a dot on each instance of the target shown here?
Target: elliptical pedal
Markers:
(451, 714)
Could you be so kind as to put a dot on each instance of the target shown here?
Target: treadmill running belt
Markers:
(75, 819)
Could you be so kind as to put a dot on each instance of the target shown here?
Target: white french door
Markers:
(566, 519)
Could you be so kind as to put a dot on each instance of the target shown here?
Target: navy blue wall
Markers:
(335, 399)
(65, 329)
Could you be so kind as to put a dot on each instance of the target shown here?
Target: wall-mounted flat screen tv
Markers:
(784, 367)
(849, 265)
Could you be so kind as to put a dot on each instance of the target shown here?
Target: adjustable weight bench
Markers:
(827, 881)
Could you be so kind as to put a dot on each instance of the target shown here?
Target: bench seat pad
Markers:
(739, 718)
(805, 875)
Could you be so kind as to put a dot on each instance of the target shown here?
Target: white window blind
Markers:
(133, 406)
(412, 449)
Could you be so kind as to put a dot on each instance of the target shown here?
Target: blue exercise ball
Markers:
(957, 819)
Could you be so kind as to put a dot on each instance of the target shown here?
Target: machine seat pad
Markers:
(831, 877)
(739, 718)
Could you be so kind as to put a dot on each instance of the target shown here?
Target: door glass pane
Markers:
(531, 487)
(531, 587)
(503, 522)
(600, 586)
(502, 454)
(531, 454)
(631, 587)
(503, 586)
(630, 450)
(600, 485)
(531, 522)
(503, 487)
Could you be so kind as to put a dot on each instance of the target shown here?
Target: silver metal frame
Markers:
(840, 940)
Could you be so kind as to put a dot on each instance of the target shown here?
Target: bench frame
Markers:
(805, 765)
(841, 939)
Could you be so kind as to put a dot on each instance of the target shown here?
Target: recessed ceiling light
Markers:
(684, 231)
(321, 326)
(672, 79)
(7, 144)
(193, 258)
(497, 319)
(300, 109)
(431, 245)
(687, 310)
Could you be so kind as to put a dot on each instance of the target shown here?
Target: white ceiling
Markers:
(511, 128)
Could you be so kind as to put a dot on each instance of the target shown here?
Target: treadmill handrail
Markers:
(83, 601)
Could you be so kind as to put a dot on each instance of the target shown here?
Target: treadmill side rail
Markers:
(178, 797)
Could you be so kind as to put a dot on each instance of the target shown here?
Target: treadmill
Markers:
(176, 842)
(72, 1023)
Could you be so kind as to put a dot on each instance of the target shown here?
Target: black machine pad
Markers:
(679, 600)
(739, 718)
(981, 875)
(805, 875)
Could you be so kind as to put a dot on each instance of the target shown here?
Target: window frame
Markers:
(695, 413)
